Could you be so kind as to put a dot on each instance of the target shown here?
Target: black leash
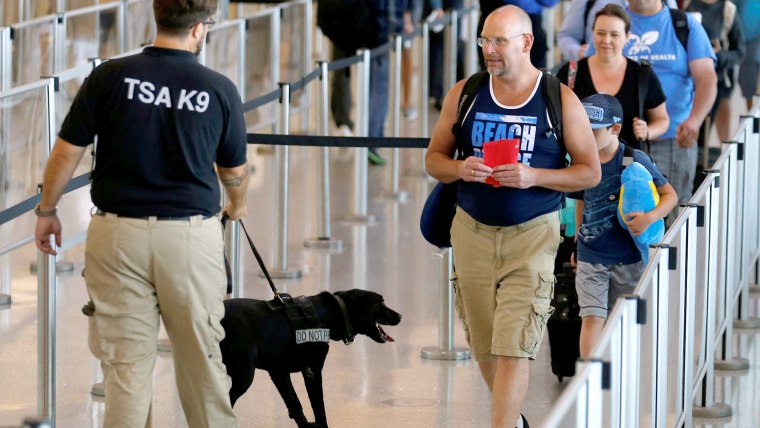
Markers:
(282, 297)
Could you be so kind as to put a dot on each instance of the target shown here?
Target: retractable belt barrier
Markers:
(27, 205)
(317, 141)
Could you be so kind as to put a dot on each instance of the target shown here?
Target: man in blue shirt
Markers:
(688, 78)
(577, 31)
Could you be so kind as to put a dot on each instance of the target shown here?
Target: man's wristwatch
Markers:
(44, 213)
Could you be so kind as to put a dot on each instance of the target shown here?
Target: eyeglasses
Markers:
(210, 23)
(496, 42)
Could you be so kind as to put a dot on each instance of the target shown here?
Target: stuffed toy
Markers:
(638, 193)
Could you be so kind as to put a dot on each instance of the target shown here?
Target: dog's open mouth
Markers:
(383, 335)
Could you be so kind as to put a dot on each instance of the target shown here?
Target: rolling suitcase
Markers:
(564, 325)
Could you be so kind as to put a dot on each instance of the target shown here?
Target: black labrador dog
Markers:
(260, 335)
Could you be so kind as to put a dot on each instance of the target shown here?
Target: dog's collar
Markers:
(349, 331)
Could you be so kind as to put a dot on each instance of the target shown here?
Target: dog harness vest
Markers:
(303, 318)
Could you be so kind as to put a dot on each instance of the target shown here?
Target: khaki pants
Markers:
(504, 283)
(137, 270)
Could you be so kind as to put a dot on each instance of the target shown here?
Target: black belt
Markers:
(160, 218)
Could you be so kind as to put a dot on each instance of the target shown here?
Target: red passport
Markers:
(500, 152)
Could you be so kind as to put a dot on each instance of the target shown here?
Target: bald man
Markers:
(505, 238)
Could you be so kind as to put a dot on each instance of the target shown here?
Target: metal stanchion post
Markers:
(46, 286)
(360, 214)
(748, 208)
(224, 9)
(5, 280)
(450, 42)
(424, 81)
(630, 353)
(548, 18)
(705, 405)
(5, 131)
(323, 239)
(471, 53)
(424, 87)
(232, 249)
(732, 260)
(445, 349)
(395, 193)
(280, 269)
(61, 266)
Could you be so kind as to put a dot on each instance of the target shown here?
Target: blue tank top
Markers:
(488, 120)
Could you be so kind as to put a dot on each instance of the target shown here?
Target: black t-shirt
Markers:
(162, 121)
(628, 95)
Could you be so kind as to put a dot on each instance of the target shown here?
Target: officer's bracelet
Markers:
(44, 213)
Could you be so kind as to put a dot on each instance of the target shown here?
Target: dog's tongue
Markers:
(383, 334)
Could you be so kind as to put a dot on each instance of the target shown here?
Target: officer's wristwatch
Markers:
(44, 213)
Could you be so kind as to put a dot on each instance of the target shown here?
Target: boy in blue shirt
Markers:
(608, 261)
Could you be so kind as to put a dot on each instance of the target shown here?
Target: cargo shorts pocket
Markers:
(541, 307)
(459, 304)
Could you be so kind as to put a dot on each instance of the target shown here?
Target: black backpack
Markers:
(681, 27)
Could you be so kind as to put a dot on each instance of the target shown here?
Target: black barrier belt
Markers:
(410, 36)
(340, 65)
(28, 205)
(344, 63)
(445, 19)
(380, 50)
(299, 84)
(262, 100)
(311, 140)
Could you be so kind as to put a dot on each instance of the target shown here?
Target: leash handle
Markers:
(258, 258)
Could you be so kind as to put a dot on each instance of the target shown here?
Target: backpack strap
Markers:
(645, 70)
(589, 6)
(729, 13)
(466, 98)
(552, 94)
(680, 26)
(551, 89)
(572, 71)
(627, 156)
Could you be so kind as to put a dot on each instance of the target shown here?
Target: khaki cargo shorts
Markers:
(504, 283)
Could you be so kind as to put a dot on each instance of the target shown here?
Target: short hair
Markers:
(177, 17)
(615, 11)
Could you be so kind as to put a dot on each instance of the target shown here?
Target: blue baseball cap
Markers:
(603, 110)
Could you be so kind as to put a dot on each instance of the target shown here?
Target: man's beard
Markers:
(496, 71)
